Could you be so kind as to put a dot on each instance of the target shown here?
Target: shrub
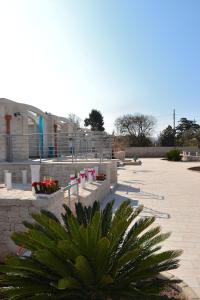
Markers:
(173, 155)
(95, 256)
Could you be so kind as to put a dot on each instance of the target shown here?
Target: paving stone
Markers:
(170, 192)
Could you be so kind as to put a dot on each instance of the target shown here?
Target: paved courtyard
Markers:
(171, 192)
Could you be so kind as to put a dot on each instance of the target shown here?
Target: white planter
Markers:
(5, 171)
(9, 181)
(73, 189)
(35, 173)
(48, 196)
(24, 177)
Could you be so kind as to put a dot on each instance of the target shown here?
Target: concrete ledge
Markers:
(95, 191)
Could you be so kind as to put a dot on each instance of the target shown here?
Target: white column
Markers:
(35, 173)
(96, 171)
(73, 180)
(9, 181)
(90, 175)
(5, 171)
(82, 179)
(24, 177)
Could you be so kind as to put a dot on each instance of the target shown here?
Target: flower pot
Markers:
(48, 196)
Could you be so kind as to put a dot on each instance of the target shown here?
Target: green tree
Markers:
(95, 256)
(167, 137)
(185, 125)
(95, 120)
(186, 132)
(138, 127)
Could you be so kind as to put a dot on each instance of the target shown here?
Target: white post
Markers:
(96, 171)
(35, 173)
(5, 171)
(90, 175)
(24, 177)
(82, 179)
(73, 189)
(9, 181)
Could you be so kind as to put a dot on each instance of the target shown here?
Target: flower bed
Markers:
(46, 187)
(101, 177)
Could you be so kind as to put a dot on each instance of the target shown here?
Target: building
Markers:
(27, 132)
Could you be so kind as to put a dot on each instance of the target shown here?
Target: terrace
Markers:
(170, 192)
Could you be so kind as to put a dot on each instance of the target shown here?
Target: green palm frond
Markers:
(95, 255)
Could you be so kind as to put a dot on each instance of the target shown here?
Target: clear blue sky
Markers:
(120, 57)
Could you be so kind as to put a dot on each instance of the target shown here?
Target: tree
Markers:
(138, 127)
(167, 137)
(186, 132)
(95, 120)
(95, 255)
(186, 125)
(74, 119)
(197, 136)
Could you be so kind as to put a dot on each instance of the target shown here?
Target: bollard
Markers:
(90, 175)
(72, 181)
(82, 179)
(24, 177)
(35, 173)
(9, 181)
(96, 170)
(5, 171)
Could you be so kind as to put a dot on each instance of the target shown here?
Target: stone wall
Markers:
(20, 147)
(155, 151)
(61, 171)
(13, 211)
(95, 191)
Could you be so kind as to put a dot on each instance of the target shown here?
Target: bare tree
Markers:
(138, 127)
(74, 119)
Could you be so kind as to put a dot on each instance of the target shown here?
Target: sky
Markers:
(117, 56)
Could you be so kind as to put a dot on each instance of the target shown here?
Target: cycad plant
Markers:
(95, 255)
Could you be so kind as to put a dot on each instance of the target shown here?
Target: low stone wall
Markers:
(59, 170)
(14, 211)
(95, 191)
(15, 207)
(154, 151)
